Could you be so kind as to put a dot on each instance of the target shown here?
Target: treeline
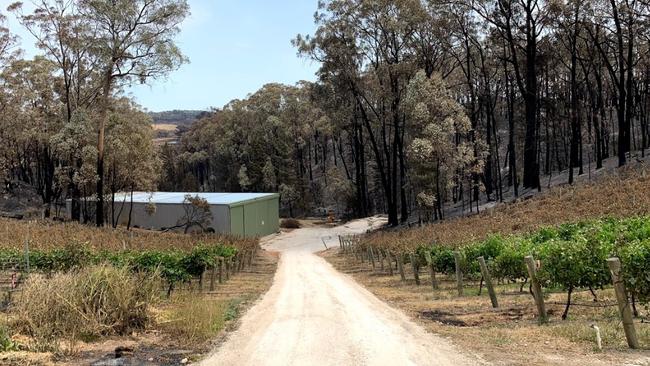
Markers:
(65, 126)
(421, 103)
(177, 117)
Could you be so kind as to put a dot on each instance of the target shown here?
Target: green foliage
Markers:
(488, 249)
(572, 256)
(172, 265)
(6, 343)
(509, 264)
(442, 258)
(578, 263)
(636, 269)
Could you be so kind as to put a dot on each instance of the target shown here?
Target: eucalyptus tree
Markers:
(63, 35)
(133, 162)
(367, 44)
(134, 42)
(442, 145)
(521, 24)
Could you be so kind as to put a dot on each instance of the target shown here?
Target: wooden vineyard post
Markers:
(459, 272)
(381, 261)
(400, 266)
(416, 274)
(371, 257)
(201, 280)
(213, 273)
(432, 270)
(614, 265)
(537, 288)
(221, 264)
(488, 282)
(389, 258)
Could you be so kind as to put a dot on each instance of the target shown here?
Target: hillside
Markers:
(619, 193)
(176, 117)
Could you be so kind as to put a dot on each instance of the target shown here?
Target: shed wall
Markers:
(261, 217)
(250, 218)
(168, 215)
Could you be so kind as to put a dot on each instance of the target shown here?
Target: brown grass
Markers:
(622, 194)
(508, 335)
(194, 318)
(45, 234)
(164, 127)
(95, 301)
(185, 326)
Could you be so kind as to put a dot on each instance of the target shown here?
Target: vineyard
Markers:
(572, 257)
(54, 247)
(557, 247)
(622, 194)
(66, 281)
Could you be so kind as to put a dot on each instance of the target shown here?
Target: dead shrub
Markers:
(196, 318)
(290, 224)
(91, 302)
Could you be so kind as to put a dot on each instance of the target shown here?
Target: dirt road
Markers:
(314, 315)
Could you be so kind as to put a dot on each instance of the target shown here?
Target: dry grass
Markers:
(194, 319)
(164, 127)
(95, 301)
(624, 193)
(509, 335)
(45, 234)
(185, 326)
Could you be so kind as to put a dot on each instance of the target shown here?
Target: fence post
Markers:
(400, 266)
(416, 274)
(537, 288)
(221, 264)
(459, 272)
(201, 277)
(614, 265)
(27, 254)
(371, 256)
(488, 282)
(432, 270)
(213, 273)
(389, 258)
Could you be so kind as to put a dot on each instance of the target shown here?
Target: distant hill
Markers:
(183, 118)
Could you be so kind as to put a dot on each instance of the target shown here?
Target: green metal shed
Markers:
(245, 214)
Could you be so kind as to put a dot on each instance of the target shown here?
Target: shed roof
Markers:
(213, 198)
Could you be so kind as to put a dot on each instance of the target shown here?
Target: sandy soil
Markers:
(314, 315)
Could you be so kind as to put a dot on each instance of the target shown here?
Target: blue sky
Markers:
(234, 47)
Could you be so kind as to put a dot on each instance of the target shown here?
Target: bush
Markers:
(290, 224)
(509, 264)
(172, 265)
(636, 269)
(488, 249)
(443, 259)
(197, 319)
(95, 301)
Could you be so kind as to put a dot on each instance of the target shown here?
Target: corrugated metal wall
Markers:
(249, 218)
(255, 218)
